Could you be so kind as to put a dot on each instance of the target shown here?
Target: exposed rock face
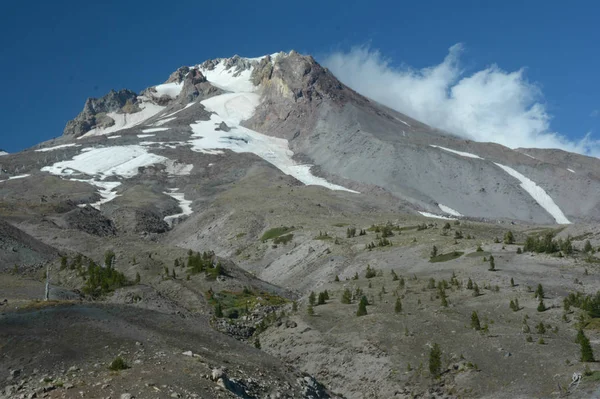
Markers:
(95, 110)
(91, 221)
(196, 86)
(178, 75)
(18, 247)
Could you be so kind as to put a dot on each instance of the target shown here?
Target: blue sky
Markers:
(56, 54)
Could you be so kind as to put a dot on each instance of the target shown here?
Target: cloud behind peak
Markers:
(489, 105)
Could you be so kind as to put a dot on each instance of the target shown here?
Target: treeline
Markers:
(547, 244)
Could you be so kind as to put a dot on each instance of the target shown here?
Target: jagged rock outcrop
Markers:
(178, 75)
(95, 110)
(195, 86)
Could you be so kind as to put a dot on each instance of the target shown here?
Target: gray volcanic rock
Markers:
(178, 75)
(95, 109)
(19, 248)
(347, 135)
(91, 221)
(195, 86)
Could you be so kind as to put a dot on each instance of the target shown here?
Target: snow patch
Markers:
(538, 194)
(168, 89)
(3, 153)
(106, 191)
(142, 136)
(177, 168)
(571, 170)
(163, 121)
(224, 79)
(272, 149)
(114, 137)
(57, 147)
(185, 205)
(126, 121)
(121, 161)
(432, 215)
(449, 210)
(152, 130)
(461, 153)
(15, 177)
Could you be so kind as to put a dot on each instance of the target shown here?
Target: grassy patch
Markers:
(243, 300)
(283, 239)
(476, 254)
(240, 235)
(405, 228)
(593, 325)
(446, 257)
(323, 237)
(276, 232)
(594, 377)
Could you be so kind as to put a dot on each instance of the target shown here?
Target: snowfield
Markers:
(224, 79)
(461, 153)
(57, 147)
(121, 161)
(168, 89)
(3, 153)
(115, 161)
(449, 210)
(126, 121)
(232, 108)
(538, 194)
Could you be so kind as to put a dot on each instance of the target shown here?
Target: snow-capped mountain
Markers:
(292, 113)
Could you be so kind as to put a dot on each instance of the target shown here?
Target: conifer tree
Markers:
(362, 307)
(541, 307)
(476, 290)
(587, 354)
(346, 296)
(312, 298)
(435, 360)
(475, 321)
(218, 310)
(398, 306)
(492, 264)
(321, 299)
(310, 310)
(470, 284)
(539, 292)
(337, 279)
(512, 282)
(434, 251)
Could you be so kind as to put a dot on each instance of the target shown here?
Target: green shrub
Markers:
(118, 364)
(283, 239)
(276, 232)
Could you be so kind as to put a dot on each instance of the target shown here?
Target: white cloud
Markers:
(594, 113)
(488, 105)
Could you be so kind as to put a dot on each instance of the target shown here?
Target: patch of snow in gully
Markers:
(461, 153)
(57, 147)
(185, 205)
(538, 194)
(432, 215)
(449, 210)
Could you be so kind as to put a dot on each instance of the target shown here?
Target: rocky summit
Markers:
(254, 228)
